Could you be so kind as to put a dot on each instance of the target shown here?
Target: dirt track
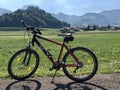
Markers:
(99, 82)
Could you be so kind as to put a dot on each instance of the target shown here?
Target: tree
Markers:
(32, 16)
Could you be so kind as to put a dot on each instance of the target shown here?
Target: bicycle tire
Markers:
(18, 64)
(87, 71)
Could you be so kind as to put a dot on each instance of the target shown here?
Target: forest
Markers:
(32, 16)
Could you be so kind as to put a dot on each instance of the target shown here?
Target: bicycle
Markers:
(25, 62)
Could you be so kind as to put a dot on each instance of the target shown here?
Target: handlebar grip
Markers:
(33, 29)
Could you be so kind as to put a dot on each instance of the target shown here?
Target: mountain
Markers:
(3, 11)
(32, 16)
(111, 17)
(72, 19)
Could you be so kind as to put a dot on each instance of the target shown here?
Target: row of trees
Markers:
(32, 16)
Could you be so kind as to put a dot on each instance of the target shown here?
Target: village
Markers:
(89, 28)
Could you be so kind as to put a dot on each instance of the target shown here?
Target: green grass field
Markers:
(106, 46)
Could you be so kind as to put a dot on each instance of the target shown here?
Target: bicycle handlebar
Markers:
(33, 29)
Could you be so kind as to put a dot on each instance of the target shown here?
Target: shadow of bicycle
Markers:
(36, 85)
(78, 86)
(24, 85)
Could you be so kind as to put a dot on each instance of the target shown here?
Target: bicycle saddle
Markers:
(67, 37)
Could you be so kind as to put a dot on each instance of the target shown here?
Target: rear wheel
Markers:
(86, 71)
(23, 64)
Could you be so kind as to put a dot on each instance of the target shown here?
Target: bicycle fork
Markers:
(27, 55)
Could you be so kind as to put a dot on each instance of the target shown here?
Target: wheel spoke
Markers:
(85, 68)
(23, 64)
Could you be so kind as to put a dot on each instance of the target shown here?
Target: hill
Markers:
(31, 15)
(103, 18)
(72, 19)
(3, 11)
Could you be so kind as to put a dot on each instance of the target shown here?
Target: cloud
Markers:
(77, 7)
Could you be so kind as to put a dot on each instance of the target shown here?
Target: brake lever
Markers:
(31, 28)
(39, 31)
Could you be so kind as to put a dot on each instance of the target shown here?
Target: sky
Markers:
(71, 7)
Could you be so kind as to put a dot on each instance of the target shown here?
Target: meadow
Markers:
(105, 44)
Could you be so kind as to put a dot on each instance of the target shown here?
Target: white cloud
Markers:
(65, 6)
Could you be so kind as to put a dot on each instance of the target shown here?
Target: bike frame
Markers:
(63, 45)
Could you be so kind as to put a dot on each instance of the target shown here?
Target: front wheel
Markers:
(23, 64)
(89, 64)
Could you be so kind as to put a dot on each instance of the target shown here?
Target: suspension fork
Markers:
(27, 54)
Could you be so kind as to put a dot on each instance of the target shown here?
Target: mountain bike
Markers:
(79, 64)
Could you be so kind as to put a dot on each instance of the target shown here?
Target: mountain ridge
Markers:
(105, 17)
(3, 11)
(33, 15)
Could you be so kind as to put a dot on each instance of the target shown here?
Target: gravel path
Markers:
(98, 82)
